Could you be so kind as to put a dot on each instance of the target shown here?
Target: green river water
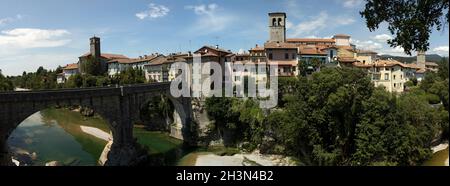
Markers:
(56, 135)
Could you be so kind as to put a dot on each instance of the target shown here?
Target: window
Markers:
(386, 76)
(395, 85)
(270, 56)
(401, 76)
(286, 56)
(274, 22)
(394, 77)
(293, 56)
(331, 53)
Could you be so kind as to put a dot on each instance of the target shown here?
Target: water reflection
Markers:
(56, 135)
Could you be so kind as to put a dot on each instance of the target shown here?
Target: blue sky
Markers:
(53, 32)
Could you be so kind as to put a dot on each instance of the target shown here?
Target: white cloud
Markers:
(22, 38)
(153, 11)
(6, 20)
(209, 19)
(319, 22)
(16, 64)
(203, 9)
(382, 37)
(25, 49)
(350, 3)
(367, 45)
(441, 50)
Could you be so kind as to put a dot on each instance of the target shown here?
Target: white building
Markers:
(68, 70)
(116, 66)
(390, 74)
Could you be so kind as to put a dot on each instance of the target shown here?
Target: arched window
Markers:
(274, 22)
(279, 22)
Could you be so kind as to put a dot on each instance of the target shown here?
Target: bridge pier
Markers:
(5, 156)
(118, 105)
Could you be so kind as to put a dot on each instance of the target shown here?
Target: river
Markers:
(70, 139)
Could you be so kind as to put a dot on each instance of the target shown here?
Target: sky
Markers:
(50, 33)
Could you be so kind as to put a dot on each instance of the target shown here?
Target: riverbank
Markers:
(441, 148)
(440, 156)
(241, 159)
(96, 133)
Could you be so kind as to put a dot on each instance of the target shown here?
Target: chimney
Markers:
(95, 47)
(189, 53)
(421, 59)
(217, 46)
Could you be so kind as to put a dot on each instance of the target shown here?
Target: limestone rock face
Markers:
(126, 155)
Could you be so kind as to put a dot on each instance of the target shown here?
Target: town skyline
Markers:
(31, 37)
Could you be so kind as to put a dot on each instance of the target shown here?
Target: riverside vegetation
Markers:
(332, 117)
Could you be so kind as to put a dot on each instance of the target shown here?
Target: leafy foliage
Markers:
(410, 21)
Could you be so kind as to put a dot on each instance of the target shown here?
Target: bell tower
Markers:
(95, 47)
(277, 27)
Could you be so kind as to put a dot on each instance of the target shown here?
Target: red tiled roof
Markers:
(275, 45)
(312, 51)
(431, 64)
(341, 35)
(158, 61)
(312, 40)
(108, 56)
(72, 66)
(135, 60)
(347, 59)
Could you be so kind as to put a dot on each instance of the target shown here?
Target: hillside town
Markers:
(287, 53)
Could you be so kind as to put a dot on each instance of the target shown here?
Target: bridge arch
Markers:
(119, 106)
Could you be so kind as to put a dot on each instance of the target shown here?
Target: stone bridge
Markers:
(119, 106)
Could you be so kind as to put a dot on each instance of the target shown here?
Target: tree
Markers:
(410, 21)
(75, 81)
(92, 66)
(316, 63)
(5, 84)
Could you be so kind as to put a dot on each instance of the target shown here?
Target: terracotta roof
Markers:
(243, 55)
(412, 65)
(158, 61)
(72, 66)
(135, 60)
(214, 48)
(175, 59)
(275, 45)
(347, 59)
(421, 71)
(363, 65)
(108, 56)
(431, 64)
(312, 51)
(209, 54)
(341, 35)
(315, 40)
(257, 48)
